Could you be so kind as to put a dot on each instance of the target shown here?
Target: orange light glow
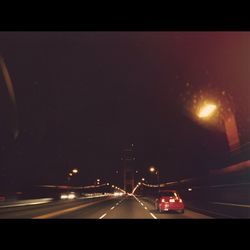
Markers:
(207, 110)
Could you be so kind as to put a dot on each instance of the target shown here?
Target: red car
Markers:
(169, 200)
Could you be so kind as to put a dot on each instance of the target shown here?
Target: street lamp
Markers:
(98, 182)
(143, 179)
(206, 111)
(153, 169)
(75, 171)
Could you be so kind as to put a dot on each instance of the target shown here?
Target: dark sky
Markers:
(84, 96)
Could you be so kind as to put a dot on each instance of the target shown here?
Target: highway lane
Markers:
(135, 208)
(125, 207)
(95, 211)
(52, 209)
(129, 208)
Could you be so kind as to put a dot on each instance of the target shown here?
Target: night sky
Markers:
(82, 97)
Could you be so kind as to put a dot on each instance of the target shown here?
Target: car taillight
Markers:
(162, 200)
(171, 200)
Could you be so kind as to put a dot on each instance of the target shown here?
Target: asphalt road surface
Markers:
(124, 207)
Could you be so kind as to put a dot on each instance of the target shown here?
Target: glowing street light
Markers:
(143, 179)
(153, 169)
(98, 182)
(207, 110)
(75, 171)
(70, 174)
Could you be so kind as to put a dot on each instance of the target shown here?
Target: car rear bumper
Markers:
(171, 206)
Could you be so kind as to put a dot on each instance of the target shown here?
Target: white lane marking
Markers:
(153, 216)
(231, 204)
(117, 204)
(145, 207)
(103, 216)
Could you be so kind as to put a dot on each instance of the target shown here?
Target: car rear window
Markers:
(167, 194)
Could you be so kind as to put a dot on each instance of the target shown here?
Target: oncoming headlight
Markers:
(71, 196)
(64, 196)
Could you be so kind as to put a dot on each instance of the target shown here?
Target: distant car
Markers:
(68, 196)
(169, 200)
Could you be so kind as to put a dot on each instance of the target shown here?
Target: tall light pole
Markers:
(153, 169)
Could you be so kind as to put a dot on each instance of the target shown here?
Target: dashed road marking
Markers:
(103, 216)
(144, 207)
(153, 216)
(117, 204)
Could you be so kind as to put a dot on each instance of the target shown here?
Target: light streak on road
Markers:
(11, 93)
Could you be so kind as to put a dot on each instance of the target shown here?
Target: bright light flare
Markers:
(152, 169)
(118, 193)
(71, 196)
(75, 171)
(64, 196)
(206, 110)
